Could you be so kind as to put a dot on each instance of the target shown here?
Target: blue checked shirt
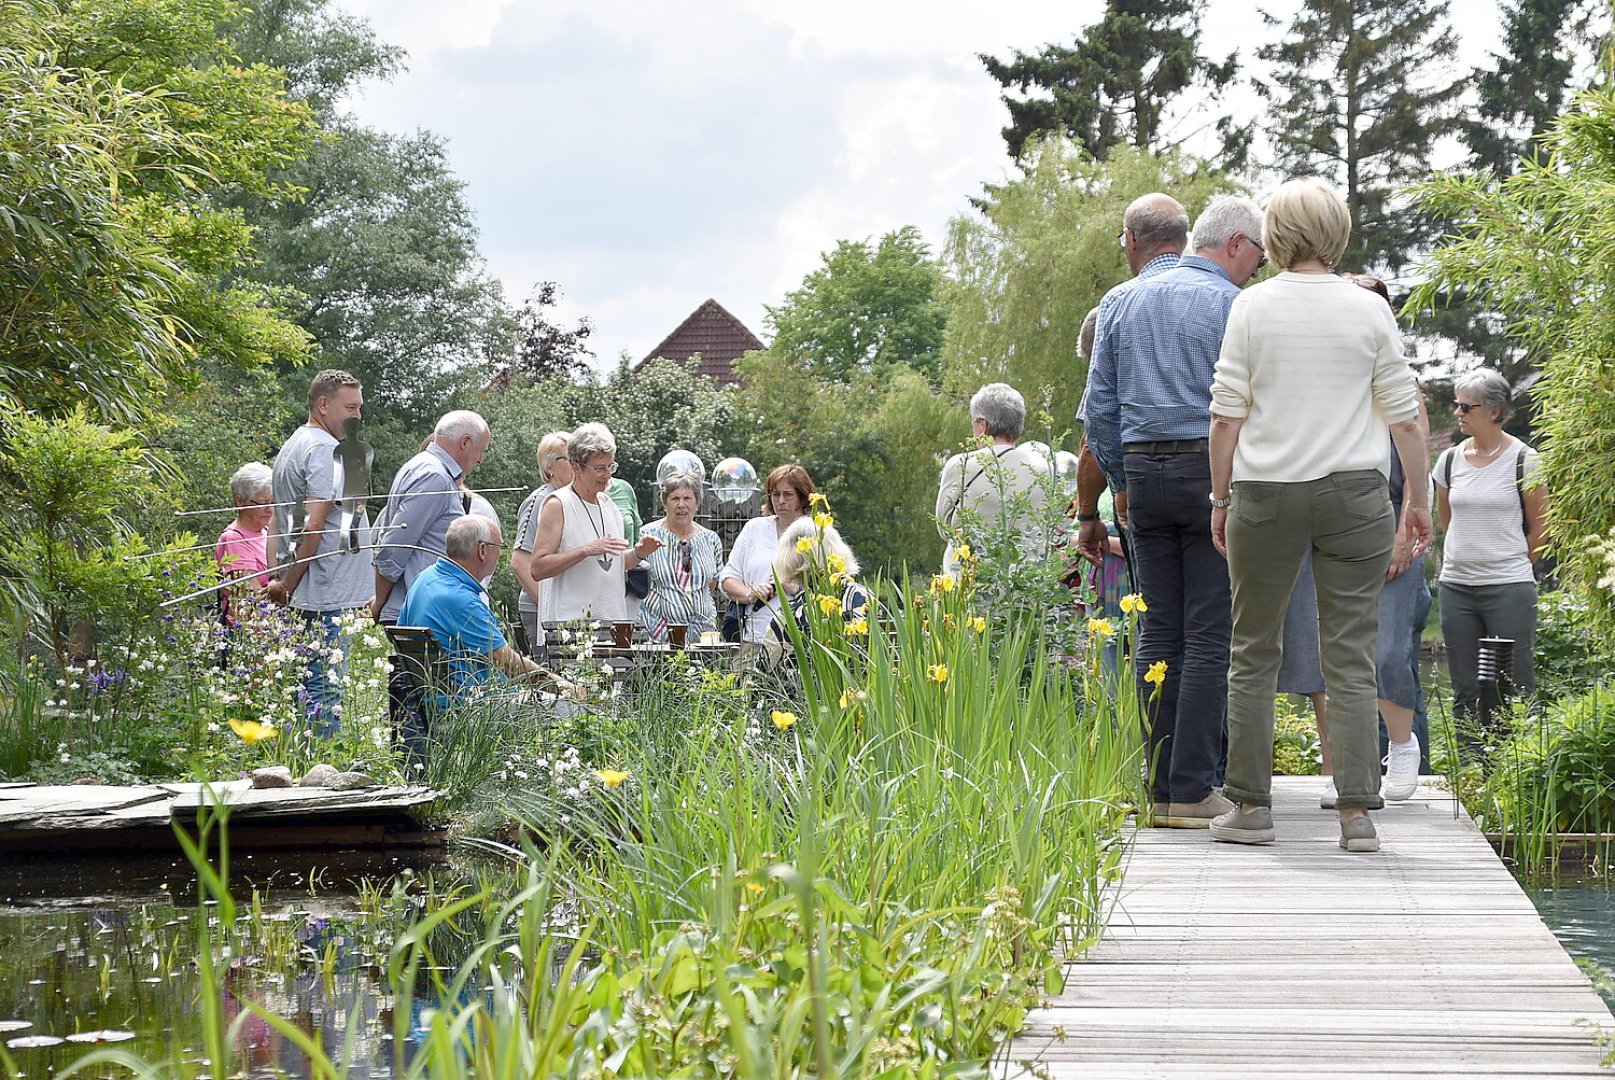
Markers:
(1155, 352)
(1107, 303)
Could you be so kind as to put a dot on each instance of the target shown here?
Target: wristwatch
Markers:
(1081, 517)
(1223, 502)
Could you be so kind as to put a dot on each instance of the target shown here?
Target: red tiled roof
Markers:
(718, 336)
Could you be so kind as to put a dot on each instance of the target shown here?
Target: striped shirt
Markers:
(1107, 303)
(1155, 351)
(1485, 542)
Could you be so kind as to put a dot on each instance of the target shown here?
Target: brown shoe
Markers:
(1191, 815)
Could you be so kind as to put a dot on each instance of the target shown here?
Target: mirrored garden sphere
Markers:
(679, 461)
(1065, 467)
(734, 480)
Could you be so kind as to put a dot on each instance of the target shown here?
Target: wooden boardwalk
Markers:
(1296, 959)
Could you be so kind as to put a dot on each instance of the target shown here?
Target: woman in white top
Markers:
(748, 577)
(556, 472)
(1494, 514)
(580, 549)
(1310, 374)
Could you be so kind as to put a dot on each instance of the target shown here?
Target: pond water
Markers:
(88, 946)
(1581, 915)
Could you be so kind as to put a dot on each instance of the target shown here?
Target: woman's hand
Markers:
(762, 594)
(606, 545)
(646, 547)
(1419, 529)
(1219, 529)
(1401, 553)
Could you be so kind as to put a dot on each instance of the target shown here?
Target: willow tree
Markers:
(1026, 269)
(1538, 247)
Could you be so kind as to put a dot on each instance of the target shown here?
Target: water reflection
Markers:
(1581, 915)
(88, 946)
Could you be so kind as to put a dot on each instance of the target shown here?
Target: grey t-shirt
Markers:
(304, 469)
(527, 536)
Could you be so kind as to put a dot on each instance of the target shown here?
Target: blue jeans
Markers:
(1187, 621)
(322, 685)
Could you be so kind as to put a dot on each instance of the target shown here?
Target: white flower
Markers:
(212, 728)
(520, 775)
(66, 757)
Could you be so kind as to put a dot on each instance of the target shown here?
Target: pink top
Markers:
(241, 551)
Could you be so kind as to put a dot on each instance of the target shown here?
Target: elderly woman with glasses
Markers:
(684, 572)
(556, 472)
(748, 577)
(1493, 510)
(579, 548)
(1310, 376)
(242, 549)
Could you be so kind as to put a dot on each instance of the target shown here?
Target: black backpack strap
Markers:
(1519, 487)
(1446, 467)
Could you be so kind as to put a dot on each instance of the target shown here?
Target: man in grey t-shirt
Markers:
(317, 578)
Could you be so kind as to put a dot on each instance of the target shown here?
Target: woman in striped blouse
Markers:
(684, 571)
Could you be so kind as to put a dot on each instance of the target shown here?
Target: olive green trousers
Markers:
(1347, 521)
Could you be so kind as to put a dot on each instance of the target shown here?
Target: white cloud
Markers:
(649, 155)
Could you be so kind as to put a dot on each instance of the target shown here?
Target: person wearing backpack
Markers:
(1493, 510)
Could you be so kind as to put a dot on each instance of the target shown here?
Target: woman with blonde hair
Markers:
(555, 472)
(748, 577)
(1310, 374)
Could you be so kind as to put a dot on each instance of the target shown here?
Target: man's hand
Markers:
(1219, 529)
(276, 592)
(1093, 541)
(374, 607)
(1121, 511)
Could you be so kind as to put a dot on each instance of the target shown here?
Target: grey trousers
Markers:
(1472, 612)
(1347, 522)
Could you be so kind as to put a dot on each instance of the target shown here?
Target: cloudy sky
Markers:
(648, 155)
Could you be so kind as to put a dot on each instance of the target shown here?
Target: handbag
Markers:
(637, 581)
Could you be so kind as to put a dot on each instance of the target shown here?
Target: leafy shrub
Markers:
(1569, 655)
(1557, 773)
(1296, 748)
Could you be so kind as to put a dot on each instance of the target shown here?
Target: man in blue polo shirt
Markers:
(1149, 412)
(447, 599)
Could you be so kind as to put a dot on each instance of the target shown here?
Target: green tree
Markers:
(1538, 247)
(1026, 270)
(869, 307)
(124, 123)
(382, 249)
(1359, 97)
(1525, 90)
(1117, 82)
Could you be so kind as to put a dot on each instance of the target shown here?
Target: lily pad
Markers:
(32, 1042)
(106, 1036)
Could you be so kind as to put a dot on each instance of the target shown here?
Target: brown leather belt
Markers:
(1171, 446)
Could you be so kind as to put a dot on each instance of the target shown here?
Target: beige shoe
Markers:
(1192, 815)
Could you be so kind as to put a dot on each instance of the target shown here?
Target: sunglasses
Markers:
(1464, 407)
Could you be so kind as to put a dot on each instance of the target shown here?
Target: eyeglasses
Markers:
(1260, 250)
(1464, 407)
(779, 493)
(1121, 238)
(608, 469)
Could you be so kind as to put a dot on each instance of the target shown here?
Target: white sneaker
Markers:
(1330, 796)
(1402, 770)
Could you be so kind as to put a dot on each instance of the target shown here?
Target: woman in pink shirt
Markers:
(243, 545)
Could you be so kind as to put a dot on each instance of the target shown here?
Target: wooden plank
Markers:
(1425, 959)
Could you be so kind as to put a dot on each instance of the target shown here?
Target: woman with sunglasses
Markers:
(580, 549)
(684, 572)
(1493, 510)
(748, 577)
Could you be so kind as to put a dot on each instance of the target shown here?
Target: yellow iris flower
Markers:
(977, 623)
(612, 778)
(858, 627)
(937, 673)
(942, 584)
(1133, 604)
(252, 732)
(783, 720)
(1101, 628)
(806, 544)
(823, 521)
(1156, 673)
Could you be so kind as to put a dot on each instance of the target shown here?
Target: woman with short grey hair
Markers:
(580, 548)
(684, 570)
(242, 550)
(1493, 508)
(996, 493)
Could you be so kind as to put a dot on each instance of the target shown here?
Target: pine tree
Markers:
(1115, 83)
(1526, 90)
(1359, 98)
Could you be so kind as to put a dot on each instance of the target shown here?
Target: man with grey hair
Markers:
(1155, 228)
(999, 490)
(447, 600)
(1148, 414)
(425, 499)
